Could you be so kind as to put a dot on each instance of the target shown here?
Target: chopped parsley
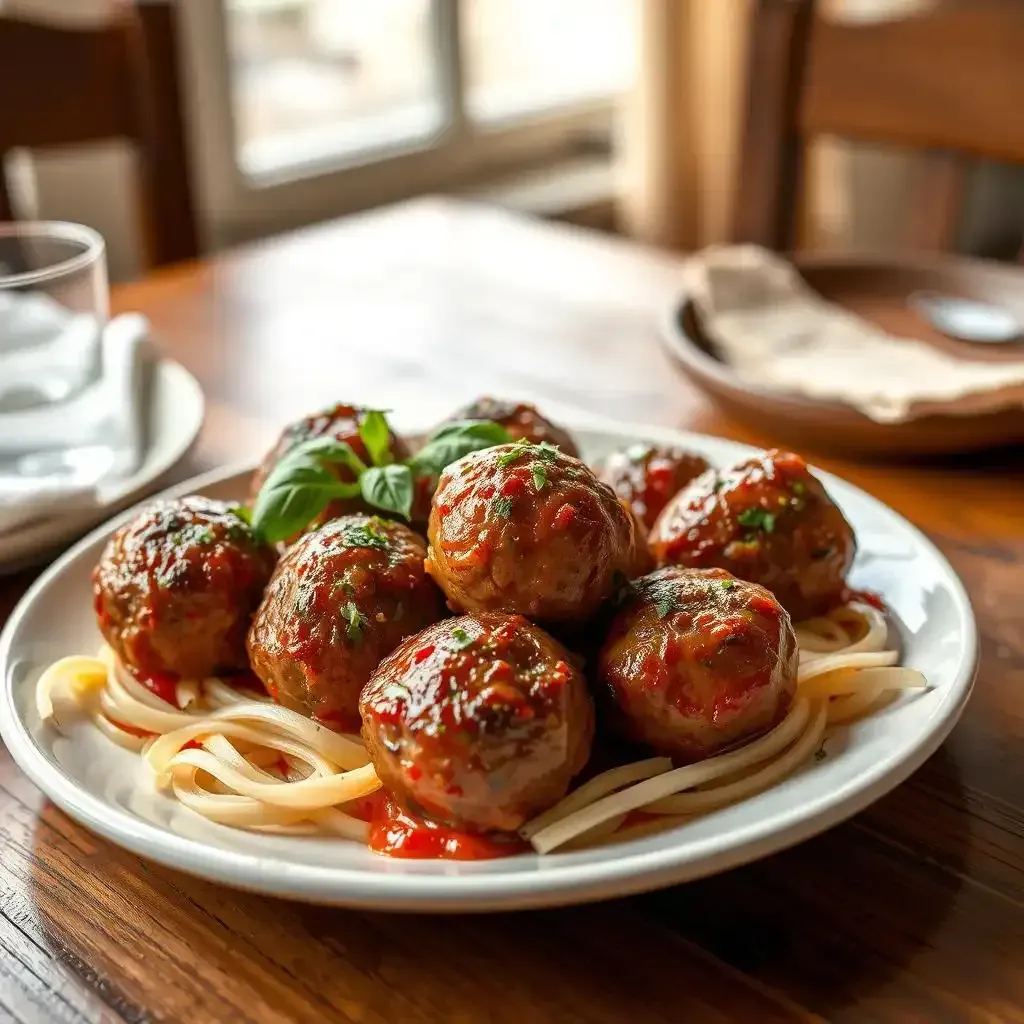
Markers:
(540, 475)
(719, 484)
(728, 584)
(243, 513)
(757, 519)
(355, 620)
(367, 536)
(797, 488)
(503, 506)
(665, 604)
(546, 451)
(664, 593)
(460, 639)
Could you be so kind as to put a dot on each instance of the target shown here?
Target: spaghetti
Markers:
(245, 762)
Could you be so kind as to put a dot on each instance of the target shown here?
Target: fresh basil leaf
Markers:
(321, 450)
(454, 440)
(297, 490)
(376, 435)
(242, 512)
(389, 488)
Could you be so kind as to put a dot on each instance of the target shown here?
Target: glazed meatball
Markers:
(698, 661)
(646, 476)
(176, 588)
(340, 422)
(478, 722)
(520, 420)
(767, 520)
(527, 529)
(340, 599)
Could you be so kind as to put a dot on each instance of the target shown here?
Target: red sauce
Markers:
(868, 597)
(160, 684)
(397, 833)
(130, 729)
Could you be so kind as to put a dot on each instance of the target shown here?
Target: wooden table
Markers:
(913, 911)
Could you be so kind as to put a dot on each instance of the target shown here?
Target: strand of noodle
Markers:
(876, 633)
(336, 748)
(187, 693)
(840, 684)
(121, 682)
(118, 736)
(845, 709)
(310, 794)
(218, 744)
(595, 788)
(660, 786)
(342, 824)
(594, 836)
(221, 694)
(71, 676)
(772, 772)
(821, 635)
(835, 662)
(642, 829)
(230, 809)
(163, 750)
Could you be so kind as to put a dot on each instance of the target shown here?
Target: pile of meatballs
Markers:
(478, 649)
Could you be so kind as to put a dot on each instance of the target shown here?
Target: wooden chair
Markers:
(948, 81)
(63, 87)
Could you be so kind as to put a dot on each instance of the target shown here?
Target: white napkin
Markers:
(56, 456)
(774, 331)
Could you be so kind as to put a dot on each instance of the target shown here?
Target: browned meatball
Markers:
(525, 528)
(767, 520)
(520, 420)
(646, 476)
(340, 422)
(478, 722)
(341, 598)
(176, 588)
(698, 661)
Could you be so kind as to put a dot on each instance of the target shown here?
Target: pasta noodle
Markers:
(243, 761)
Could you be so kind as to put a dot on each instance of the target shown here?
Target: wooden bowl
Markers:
(877, 289)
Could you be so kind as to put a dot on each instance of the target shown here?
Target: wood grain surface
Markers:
(913, 911)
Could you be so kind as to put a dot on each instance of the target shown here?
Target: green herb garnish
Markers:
(502, 506)
(355, 620)
(797, 488)
(388, 487)
(376, 435)
(242, 512)
(367, 536)
(757, 518)
(518, 448)
(460, 639)
(540, 475)
(455, 440)
(728, 584)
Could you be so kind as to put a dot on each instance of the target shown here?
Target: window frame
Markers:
(464, 155)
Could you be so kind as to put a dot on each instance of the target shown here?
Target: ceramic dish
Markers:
(175, 417)
(106, 788)
(879, 290)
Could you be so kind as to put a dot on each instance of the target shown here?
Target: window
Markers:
(312, 108)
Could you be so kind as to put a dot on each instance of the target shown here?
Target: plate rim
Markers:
(557, 885)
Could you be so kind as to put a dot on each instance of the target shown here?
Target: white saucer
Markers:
(175, 418)
(106, 787)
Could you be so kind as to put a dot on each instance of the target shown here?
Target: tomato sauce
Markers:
(160, 684)
(396, 833)
(868, 597)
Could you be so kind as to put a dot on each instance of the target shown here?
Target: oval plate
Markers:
(107, 789)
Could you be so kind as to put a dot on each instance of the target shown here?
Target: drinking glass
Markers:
(53, 308)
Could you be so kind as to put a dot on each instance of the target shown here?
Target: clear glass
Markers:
(526, 56)
(54, 304)
(311, 79)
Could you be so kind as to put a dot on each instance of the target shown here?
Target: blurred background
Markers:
(618, 114)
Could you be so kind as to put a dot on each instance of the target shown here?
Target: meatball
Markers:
(526, 528)
(478, 722)
(176, 588)
(698, 661)
(340, 599)
(340, 422)
(520, 420)
(646, 476)
(767, 520)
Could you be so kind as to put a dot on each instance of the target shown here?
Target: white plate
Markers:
(106, 789)
(175, 417)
